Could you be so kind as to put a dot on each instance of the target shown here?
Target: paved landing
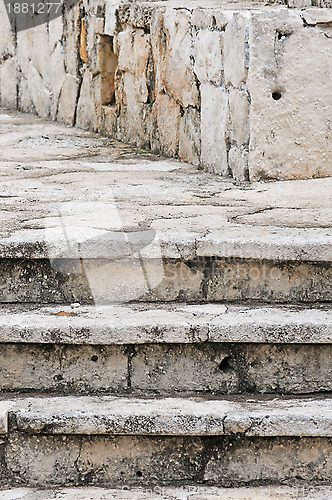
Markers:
(61, 187)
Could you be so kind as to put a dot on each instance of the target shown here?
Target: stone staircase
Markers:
(159, 326)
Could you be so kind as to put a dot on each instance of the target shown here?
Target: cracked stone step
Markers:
(144, 349)
(109, 441)
(143, 323)
(100, 222)
(252, 417)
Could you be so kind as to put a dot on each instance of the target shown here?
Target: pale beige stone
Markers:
(172, 56)
(239, 116)
(168, 120)
(238, 163)
(214, 118)
(8, 83)
(208, 56)
(290, 137)
(86, 106)
(235, 52)
(67, 100)
(190, 136)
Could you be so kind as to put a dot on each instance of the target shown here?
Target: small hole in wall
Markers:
(224, 365)
(214, 22)
(139, 473)
(276, 95)
(94, 358)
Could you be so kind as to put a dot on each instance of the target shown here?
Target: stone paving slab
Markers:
(100, 415)
(63, 187)
(175, 323)
(279, 492)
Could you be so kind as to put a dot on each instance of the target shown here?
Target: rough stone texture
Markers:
(290, 137)
(147, 73)
(176, 323)
(271, 242)
(191, 492)
(159, 369)
(214, 113)
(188, 492)
(74, 369)
(123, 280)
(149, 461)
(173, 416)
(248, 460)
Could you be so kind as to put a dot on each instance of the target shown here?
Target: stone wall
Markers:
(242, 92)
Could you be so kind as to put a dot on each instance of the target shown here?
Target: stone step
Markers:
(165, 349)
(275, 492)
(92, 221)
(117, 441)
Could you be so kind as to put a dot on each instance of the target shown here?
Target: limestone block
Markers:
(214, 117)
(58, 76)
(190, 136)
(71, 39)
(8, 83)
(238, 163)
(39, 92)
(235, 49)
(168, 121)
(208, 56)
(133, 49)
(67, 100)
(290, 86)
(24, 49)
(7, 42)
(55, 32)
(239, 116)
(95, 27)
(24, 98)
(134, 118)
(172, 52)
(40, 55)
(209, 19)
(111, 21)
(86, 106)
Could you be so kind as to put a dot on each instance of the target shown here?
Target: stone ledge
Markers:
(276, 492)
(147, 323)
(309, 417)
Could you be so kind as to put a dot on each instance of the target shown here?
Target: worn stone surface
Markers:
(74, 369)
(284, 138)
(173, 416)
(191, 492)
(227, 64)
(283, 221)
(176, 323)
(148, 461)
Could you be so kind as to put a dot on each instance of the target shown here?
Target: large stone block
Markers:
(167, 114)
(208, 47)
(8, 83)
(172, 54)
(214, 118)
(290, 87)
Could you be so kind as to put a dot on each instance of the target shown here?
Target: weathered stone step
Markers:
(275, 492)
(85, 219)
(204, 279)
(166, 349)
(108, 441)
